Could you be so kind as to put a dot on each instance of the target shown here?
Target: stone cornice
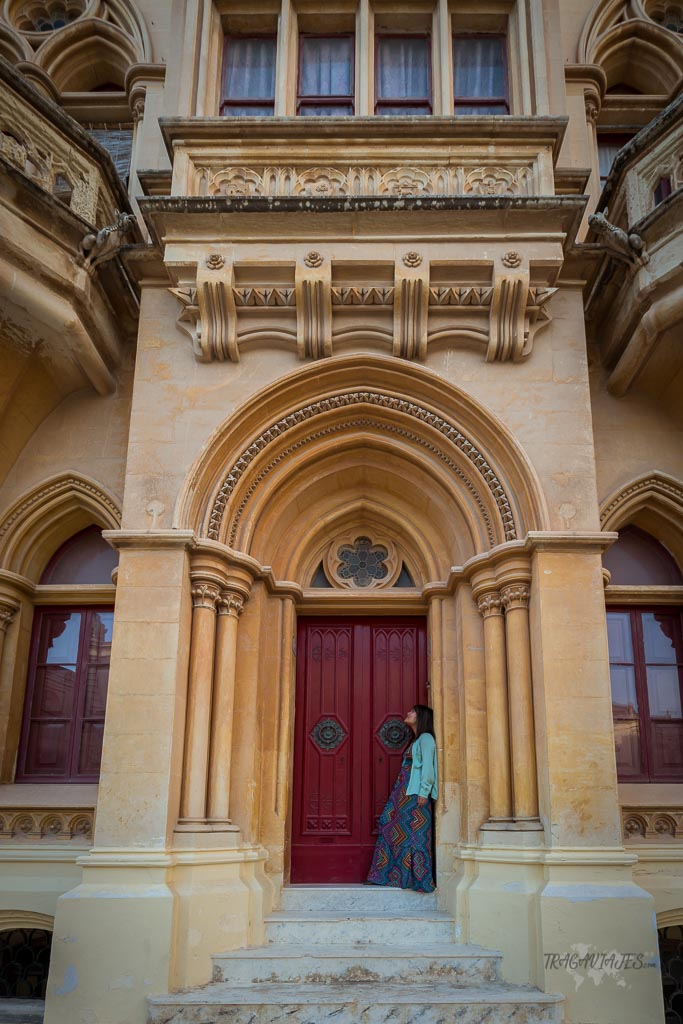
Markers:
(432, 130)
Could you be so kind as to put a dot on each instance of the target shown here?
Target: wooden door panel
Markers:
(355, 681)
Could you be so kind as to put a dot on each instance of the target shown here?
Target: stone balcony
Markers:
(364, 156)
(64, 325)
(634, 298)
(400, 233)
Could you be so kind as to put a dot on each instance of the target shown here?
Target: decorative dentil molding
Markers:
(474, 179)
(652, 823)
(410, 410)
(30, 824)
(509, 312)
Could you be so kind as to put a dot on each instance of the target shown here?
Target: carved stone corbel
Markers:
(517, 313)
(209, 317)
(313, 286)
(411, 309)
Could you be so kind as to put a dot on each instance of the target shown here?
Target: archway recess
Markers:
(376, 439)
(654, 502)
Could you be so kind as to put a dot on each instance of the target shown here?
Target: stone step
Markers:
(366, 898)
(22, 1011)
(447, 963)
(327, 928)
(349, 1004)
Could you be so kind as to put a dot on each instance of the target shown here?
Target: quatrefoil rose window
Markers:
(359, 561)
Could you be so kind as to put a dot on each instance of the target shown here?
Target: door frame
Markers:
(370, 606)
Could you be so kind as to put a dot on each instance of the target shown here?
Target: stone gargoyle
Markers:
(623, 245)
(102, 245)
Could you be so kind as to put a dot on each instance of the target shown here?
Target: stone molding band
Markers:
(382, 401)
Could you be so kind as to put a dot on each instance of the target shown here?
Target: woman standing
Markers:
(403, 853)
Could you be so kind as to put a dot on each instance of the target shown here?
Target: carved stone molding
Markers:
(230, 603)
(652, 823)
(410, 410)
(506, 316)
(424, 180)
(30, 824)
(515, 595)
(489, 604)
(649, 490)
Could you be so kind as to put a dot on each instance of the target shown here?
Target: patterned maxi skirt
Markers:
(403, 853)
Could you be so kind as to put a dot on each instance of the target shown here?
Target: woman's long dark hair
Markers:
(425, 720)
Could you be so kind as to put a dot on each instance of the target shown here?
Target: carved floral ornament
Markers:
(356, 561)
(411, 412)
(30, 824)
(656, 824)
(408, 181)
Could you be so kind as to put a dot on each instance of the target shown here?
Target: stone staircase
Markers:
(358, 955)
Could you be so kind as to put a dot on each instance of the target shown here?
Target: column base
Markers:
(512, 825)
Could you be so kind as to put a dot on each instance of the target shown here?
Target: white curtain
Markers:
(250, 69)
(326, 66)
(479, 66)
(402, 68)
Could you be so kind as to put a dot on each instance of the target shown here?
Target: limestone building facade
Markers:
(341, 368)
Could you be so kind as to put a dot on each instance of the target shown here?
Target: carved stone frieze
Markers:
(506, 316)
(655, 824)
(30, 824)
(409, 410)
(319, 182)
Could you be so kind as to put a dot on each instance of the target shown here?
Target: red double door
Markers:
(356, 678)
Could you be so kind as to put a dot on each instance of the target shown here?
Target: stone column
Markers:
(205, 594)
(230, 606)
(515, 599)
(497, 720)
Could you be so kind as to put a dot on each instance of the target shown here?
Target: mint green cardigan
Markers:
(423, 775)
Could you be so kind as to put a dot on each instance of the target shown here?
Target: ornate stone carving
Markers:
(592, 108)
(411, 309)
(264, 296)
(422, 180)
(215, 261)
(358, 296)
(205, 594)
(105, 244)
(655, 824)
(371, 398)
(46, 824)
(412, 258)
(7, 612)
(622, 245)
(650, 487)
(313, 259)
(515, 595)
(354, 561)
(512, 259)
(230, 603)
(214, 311)
(489, 604)
(460, 296)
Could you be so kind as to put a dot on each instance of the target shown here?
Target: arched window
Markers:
(646, 661)
(63, 724)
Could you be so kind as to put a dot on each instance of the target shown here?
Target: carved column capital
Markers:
(592, 109)
(230, 603)
(489, 604)
(205, 593)
(7, 612)
(515, 595)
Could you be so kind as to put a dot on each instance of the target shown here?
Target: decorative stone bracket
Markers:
(219, 315)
